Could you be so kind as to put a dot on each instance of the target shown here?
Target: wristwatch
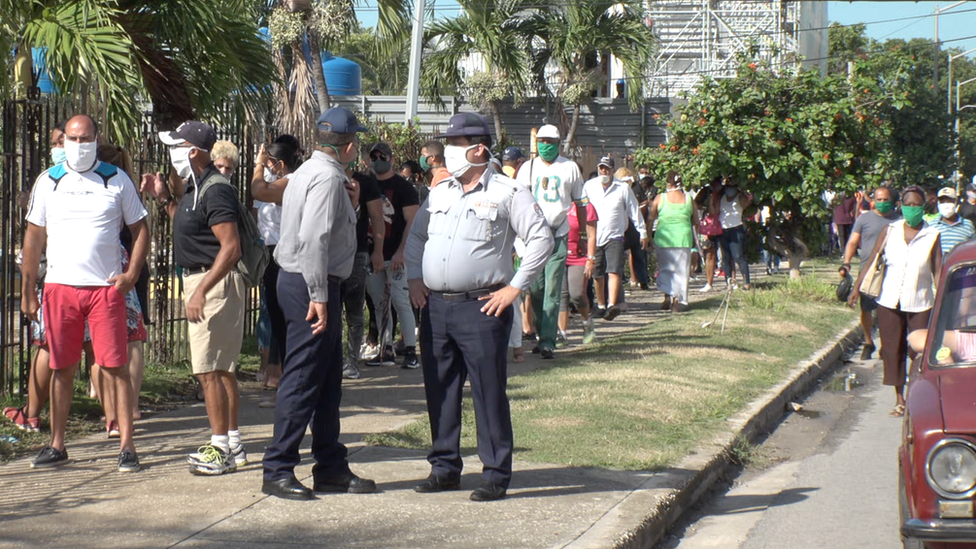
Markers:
(591, 258)
(166, 202)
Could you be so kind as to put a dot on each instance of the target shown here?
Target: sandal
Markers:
(898, 411)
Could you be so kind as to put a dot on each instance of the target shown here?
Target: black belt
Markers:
(469, 295)
(196, 270)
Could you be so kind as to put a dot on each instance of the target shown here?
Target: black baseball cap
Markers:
(199, 134)
(465, 124)
(339, 120)
(383, 148)
(512, 153)
(606, 161)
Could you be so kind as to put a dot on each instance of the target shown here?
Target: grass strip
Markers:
(645, 399)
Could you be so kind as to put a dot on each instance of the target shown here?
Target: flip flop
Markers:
(898, 411)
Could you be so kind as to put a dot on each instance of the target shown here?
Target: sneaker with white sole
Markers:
(210, 460)
(706, 288)
(239, 455)
(129, 461)
(350, 371)
(49, 457)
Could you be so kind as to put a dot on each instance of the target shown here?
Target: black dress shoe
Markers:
(434, 484)
(488, 492)
(347, 483)
(287, 488)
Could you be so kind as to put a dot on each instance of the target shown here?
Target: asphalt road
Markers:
(827, 477)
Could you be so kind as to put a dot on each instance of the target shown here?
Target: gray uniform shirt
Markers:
(318, 225)
(463, 241)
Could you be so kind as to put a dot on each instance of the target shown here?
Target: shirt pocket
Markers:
(478, 223)
(437, 223)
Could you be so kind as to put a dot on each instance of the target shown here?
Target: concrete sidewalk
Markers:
(87, 503)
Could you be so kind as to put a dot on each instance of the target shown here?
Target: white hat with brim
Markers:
(547, 132)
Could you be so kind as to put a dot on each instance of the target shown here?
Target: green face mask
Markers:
(548, 151)
(884, 208)
(913, 214)
(423, 163)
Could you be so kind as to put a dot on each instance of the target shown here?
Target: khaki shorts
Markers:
(215, 343)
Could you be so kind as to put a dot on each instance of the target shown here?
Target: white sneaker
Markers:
(367, 351)
(706, 288)
(240, 455)
(210, 460)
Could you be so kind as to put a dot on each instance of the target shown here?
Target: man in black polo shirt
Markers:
(207, 247)
(369, 211)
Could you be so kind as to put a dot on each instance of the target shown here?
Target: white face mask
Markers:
(456, 159)
(947, 210)
(81, 157)
(180, 157)
(605, 179)
(269, 176)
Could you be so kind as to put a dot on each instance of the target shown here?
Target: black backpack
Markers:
(254, 253)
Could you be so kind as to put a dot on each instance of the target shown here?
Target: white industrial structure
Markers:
(703, 37)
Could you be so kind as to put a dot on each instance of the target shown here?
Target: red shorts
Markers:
(65, 310)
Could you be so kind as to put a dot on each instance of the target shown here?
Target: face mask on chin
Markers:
(605, 180)
(269, 175)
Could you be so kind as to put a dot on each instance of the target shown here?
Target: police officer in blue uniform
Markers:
(316, 252)
(459, 267)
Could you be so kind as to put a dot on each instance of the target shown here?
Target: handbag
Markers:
(875, 273)
(709, 225)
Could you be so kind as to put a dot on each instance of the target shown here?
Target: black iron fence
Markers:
(25, 134)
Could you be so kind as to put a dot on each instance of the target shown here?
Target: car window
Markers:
(955, 332)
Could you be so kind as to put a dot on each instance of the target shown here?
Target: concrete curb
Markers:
(642, 518)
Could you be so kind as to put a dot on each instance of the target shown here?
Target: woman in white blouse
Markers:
(913, 259)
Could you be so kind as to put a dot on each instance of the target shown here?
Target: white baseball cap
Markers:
(547, 132)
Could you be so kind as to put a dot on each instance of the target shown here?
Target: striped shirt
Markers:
(954, 234)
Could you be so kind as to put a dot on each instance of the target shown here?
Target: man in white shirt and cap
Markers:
(556, 183)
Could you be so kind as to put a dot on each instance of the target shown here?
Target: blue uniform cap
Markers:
(339, 120)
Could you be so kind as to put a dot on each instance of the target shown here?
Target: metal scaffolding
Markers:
(702, 38)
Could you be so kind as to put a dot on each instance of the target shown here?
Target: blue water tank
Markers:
(342, 76)
(44, 82)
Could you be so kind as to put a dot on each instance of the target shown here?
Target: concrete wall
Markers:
(606, 125)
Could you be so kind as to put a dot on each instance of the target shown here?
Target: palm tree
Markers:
(186, 57)
(579, 36)
(496, 31)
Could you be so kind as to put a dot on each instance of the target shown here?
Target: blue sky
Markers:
(956, 23)
(959, 22)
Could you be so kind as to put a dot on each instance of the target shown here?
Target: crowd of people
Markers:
(459, 257)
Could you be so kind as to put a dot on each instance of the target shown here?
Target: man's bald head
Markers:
(81, 128)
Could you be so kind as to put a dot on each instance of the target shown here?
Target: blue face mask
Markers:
(57, 155)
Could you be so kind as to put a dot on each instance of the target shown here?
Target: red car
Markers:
(937, 457)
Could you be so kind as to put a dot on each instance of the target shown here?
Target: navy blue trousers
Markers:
(310, 388)
(458, 341)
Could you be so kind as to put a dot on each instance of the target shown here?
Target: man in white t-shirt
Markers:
(77, 208)
(616, 206)
(556, 183)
